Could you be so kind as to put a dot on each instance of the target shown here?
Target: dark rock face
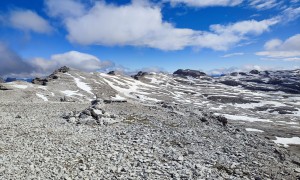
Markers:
(63, 69)
(139, 75)
(234, 74)
(112, 73)
(231, 83)
(1, 80)
(9, 79)
(242, 73)
(267, 81)
(254, 71)
(188, 72)
(39, 81)
(228, 99)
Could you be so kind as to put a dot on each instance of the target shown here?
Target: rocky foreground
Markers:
(74, 125)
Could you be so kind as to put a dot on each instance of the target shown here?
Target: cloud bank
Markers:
(288, 50)
(11, 64)
(206, 3)
(141, 24)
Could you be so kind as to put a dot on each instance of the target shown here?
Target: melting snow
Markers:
(71, 93)
(20, 86)
(245, 118)
(287, 141)
(83, 85)
(42, 96)
(253, 130)
(118, 98)
(290, 123)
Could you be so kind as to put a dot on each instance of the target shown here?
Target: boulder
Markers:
(189, 72)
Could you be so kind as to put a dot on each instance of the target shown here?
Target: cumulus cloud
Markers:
(73, 59)
(141, 24)
(288, 50)
(11, 63)
(27, 20)
(206, 3)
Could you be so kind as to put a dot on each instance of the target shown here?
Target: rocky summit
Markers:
(186, 125)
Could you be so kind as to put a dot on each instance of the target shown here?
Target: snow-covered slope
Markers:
(267, 101)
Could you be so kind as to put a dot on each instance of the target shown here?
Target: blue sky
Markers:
(210, 35)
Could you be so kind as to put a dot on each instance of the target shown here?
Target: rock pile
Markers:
(93, 115)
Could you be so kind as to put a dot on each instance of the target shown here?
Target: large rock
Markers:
(189, 72)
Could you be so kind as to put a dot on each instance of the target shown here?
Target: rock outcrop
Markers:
(189, 72)
(139, 75)
(54, 75)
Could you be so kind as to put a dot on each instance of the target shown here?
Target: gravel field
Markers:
(37, 143)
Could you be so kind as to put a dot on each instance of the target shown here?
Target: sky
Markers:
(215, 36)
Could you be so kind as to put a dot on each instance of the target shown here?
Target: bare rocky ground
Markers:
(139, 130)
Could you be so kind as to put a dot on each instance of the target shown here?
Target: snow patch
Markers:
(70, 93)
(20, 86)
(253, 130)
(287, 141)
(42, 96)
(245, 118)
(118, 98)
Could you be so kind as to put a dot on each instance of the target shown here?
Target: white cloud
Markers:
(141, 24)
(264, 4)
(290, 14)
(64, 8)
(233, 54)
(206, 3)
(272, 44)
(27, 20)
(246, 27)
(73, 59)
(289, 50)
